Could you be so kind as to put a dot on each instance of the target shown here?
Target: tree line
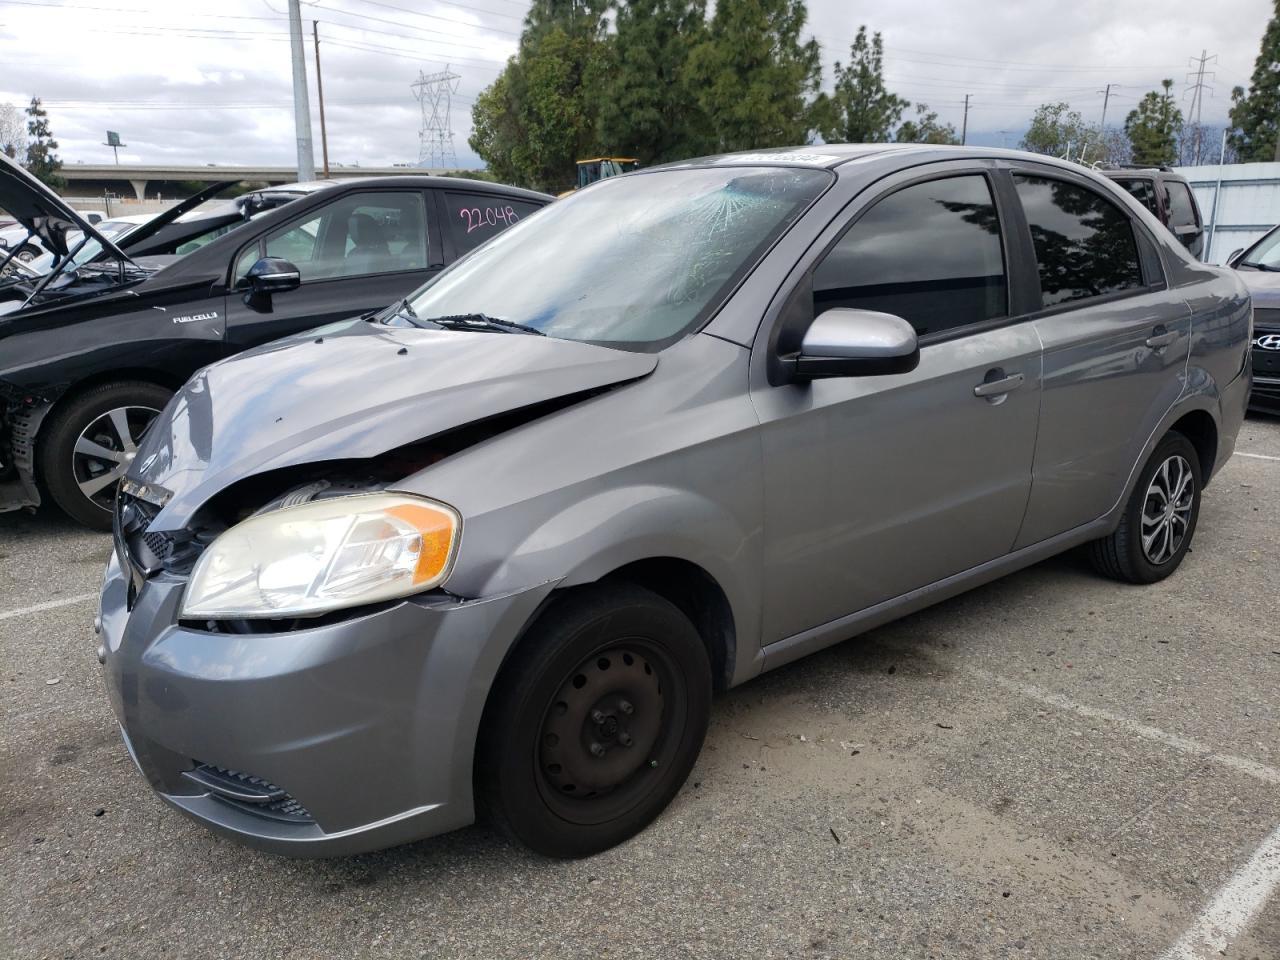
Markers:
(660, 80)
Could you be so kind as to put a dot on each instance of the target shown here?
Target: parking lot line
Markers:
(1256, 456)
(1182, 744)
(49, 605)
(1235, 906)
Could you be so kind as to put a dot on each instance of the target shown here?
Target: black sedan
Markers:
(1259, 267)
(91, 350)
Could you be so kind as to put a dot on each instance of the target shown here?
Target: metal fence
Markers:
(1245, 207)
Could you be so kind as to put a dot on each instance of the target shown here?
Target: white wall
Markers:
(1248, 207)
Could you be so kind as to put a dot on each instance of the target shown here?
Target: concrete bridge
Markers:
(152, 180)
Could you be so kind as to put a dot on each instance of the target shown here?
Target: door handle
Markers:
(995, 388)
(1160, 338)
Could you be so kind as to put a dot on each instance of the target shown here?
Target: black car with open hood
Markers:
(92, 349)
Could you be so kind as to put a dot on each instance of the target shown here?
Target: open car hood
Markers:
(352, 391)
(153, 226)
(40, 210)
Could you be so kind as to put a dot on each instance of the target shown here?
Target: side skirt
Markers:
(817, 638)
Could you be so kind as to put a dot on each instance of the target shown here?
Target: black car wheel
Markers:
(595, 722)
(1159, 520)
(89, 443)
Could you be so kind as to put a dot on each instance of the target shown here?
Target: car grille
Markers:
(1266, 319)
(1266, 325)
(249, 793)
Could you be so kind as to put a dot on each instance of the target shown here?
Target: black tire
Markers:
(62, 471)
(536, 773)
(1123, 555)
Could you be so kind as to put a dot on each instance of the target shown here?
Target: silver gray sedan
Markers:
(493, 548)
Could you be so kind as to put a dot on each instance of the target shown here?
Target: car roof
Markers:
(406, 180)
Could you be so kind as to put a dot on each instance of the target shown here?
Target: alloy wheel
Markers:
(106, 448)
(1166, 510)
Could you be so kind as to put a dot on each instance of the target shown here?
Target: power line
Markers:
(452, 3)
(399, 23)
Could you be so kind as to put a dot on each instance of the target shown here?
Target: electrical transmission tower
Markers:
(1196, 87)
(434, 92)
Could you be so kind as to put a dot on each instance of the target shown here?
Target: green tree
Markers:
(1256, 114)
(1153, 127)
(861, 109)
(42, 162)
(1056, 130)
(647, 108)
(541, 114)
(925, 128)
(755, 78)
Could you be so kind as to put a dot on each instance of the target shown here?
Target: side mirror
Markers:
(855, 343)
(272, 275)
(1235, 256)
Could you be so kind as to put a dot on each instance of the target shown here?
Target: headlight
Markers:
(325, 555)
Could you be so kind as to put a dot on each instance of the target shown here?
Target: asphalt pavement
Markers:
(1051, 766)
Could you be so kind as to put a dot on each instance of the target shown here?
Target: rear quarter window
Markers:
(1182, 211)
(475, 217)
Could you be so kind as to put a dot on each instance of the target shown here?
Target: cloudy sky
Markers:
(208, 81)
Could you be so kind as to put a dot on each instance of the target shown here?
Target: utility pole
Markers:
(964, 126)
(1106, 99)
(324, 136)
(301, 105)
(1196, 89)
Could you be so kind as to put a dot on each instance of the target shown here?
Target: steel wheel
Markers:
(602, 737)
(1166, 510)
(105, 449)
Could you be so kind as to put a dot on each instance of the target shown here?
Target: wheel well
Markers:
(1198, 427)
(699, 598)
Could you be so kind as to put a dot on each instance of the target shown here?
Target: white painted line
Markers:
(1234, 908)
(1256, 456)
(50, 605)
(1185, 745)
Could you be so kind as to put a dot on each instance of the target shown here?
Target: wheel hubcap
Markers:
(106, 448)
(1166, 512)
(603, 724)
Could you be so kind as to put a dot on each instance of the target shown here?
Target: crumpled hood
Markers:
(353, 390)
(1264, 286)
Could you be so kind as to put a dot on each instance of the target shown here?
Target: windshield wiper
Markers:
(1259, 266)
(481, 321)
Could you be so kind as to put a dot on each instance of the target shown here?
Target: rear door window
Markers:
(1182, 210)
(1144, 192)
(930, 253)
(1084, 243)
(475, 217)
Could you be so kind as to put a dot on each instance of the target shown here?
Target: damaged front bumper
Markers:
(337, 739)
(19, 421)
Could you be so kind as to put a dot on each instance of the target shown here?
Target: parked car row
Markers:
(92, 349)
(495, 545)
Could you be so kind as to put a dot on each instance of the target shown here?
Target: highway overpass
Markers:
(149, 181)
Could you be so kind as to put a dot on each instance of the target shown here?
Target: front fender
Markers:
(591, 537)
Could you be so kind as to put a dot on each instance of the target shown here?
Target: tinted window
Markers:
(1182, 213)
(475, 217)
(356, 235)
(1084, 244)
(930, 253)
(1144, 192)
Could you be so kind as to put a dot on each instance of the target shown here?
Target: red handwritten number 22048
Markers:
(477, 217)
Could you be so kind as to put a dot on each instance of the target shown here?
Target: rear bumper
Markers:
(369, 725)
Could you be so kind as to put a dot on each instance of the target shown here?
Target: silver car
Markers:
(495, 547)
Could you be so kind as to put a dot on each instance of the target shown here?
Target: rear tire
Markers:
(595, 721)
(1159, 520)
(88, 444)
